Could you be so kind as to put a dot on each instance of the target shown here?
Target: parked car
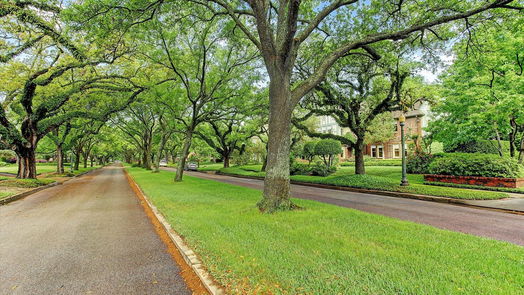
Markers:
(192, 166)
(163, 163)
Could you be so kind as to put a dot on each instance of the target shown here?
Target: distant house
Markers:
(416, 120)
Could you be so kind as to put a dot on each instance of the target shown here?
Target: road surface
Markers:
(88, 236)
(480, 222)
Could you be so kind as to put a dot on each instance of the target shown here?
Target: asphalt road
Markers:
(88, 236)
(480, 222)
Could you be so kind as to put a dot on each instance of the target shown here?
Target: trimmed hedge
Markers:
(304, 169)
(419, 163)
(485, 165)
(478, 146)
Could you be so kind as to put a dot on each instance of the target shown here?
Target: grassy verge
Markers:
(26, 183)
(5, 194)
(326, 249)
(40, 168)
(478, 187)
(211, 167)
(384, 183)
(68, 173)
(371, 162)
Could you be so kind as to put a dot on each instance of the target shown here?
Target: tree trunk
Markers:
(92, 161)
(146, 159)
(276, 183)
(77, 161)
(26, 163)
(512, 137)
(183, 156)
(160, 151)
(264, 160)
(521, 150)
(59, 160)
(499, 143)
(360, 168)
(85, 161)
(226, 161)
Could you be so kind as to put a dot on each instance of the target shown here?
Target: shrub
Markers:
(321, 169)
(300, 169)
(419, 163)
(486, 165)
(478, 146)
(328, 149)
(308, 151)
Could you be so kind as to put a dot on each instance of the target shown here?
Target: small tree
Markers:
(308, 151)
(328, 149)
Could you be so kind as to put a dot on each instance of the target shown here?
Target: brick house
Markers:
(416, 121)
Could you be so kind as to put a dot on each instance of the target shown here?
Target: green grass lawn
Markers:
(40, 168)
(379, 178)
(375, 162)
(44, 168)
(211, 167)
(26, 183)
(5, 194)
(326, 249)
(75, 172)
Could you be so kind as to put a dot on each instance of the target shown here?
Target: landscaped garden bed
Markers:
(378, 178)
(476, 169)
(478, 187)
(477, 180)
(325, 249)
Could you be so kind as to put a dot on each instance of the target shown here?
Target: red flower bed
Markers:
(476, 180)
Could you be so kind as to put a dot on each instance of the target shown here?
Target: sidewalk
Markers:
(515, 203)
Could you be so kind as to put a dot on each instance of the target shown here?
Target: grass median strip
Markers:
(385, 180)
(4, 195)
(26, 183)
(326, 249)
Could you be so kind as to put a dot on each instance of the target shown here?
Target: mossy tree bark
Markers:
(183, 155)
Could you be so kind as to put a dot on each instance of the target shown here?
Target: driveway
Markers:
(88, 236)
(480, 222)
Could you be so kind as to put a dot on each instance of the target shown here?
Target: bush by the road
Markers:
(478, 146)
(328, 149)
(418, 163)
(485, 165)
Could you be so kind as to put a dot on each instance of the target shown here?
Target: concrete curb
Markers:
(189, 256)
(452, 201)
(27, 193)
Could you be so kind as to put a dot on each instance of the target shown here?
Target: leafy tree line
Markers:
(170, 73)
(483, 91)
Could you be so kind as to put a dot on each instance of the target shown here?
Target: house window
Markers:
(377, 151)
(396, 151)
